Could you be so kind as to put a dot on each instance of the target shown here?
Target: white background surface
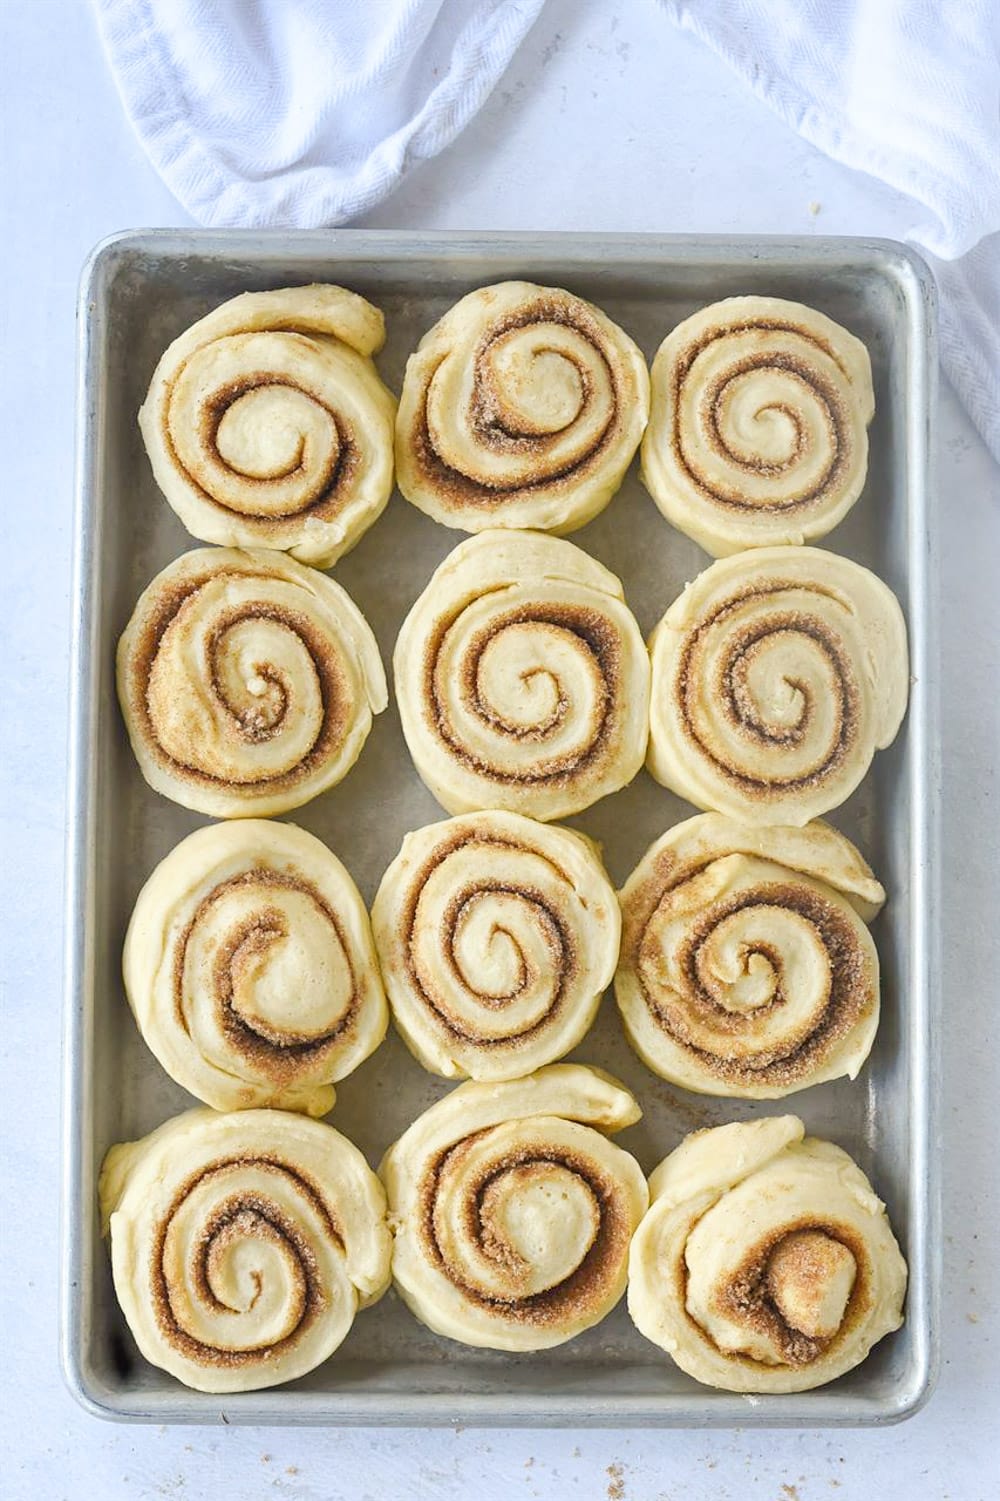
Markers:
(608, 119)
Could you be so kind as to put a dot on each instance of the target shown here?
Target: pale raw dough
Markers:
(766, 1262)
(553, 1204)
(777, 674)
(758, 425)
(248, 682)
(250, 968)
(497, 936)
(747, 968)
(522, 407)
(242, 1245)
(521, 678)
(267, 425)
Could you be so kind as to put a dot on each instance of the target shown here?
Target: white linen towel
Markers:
(308, 112)
(302, 112)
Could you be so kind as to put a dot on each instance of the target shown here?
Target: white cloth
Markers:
(302, 112)
(308, 112)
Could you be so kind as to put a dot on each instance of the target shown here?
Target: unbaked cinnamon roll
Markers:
(512, 1214)
(497, 936)
(522, 407)
(267, 425)
(777, 674)
(758, 427)
(766, 1263)
(243, 1245)
(521, 678)
(250, 968)
(248, 683)
(746, 965)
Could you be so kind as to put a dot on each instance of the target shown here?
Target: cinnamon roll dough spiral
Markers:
(758, 425)
(267, 425)
(766, 1263)
(777, 674)
(497, 936)
(746, 966)
(242, 1245)
(250, 968)
(248, 682)
(522, 407)
(521, 678)
(511, 1213)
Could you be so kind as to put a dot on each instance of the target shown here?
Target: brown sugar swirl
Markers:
(248, 682)
(765, 1263)
(522, 407)
(777, 674)
(496, 937)
(746, 967)
(242, 1245)
(267, 425)
(758, 425)
(521, 678)
(512, 1212)
(250, 968)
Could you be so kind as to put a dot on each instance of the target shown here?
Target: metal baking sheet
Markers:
(142, 289)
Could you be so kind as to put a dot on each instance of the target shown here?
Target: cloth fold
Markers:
(301, 113)
(308, 112)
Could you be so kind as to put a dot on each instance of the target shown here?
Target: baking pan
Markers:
(142, 289)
